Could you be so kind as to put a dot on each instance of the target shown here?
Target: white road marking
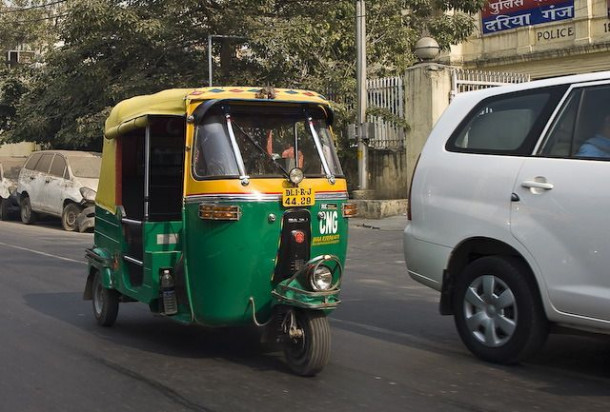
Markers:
(42, 253)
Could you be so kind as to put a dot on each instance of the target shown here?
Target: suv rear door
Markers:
(561, 215)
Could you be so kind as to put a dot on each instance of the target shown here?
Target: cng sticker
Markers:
(329, 223)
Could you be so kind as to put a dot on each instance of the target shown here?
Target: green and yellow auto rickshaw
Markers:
(223, 206)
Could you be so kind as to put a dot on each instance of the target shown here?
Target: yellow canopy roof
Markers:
(132, 113)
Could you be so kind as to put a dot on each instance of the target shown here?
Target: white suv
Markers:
(60, 183)
(509, 213)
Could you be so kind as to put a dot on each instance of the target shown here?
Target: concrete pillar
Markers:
(428, 89)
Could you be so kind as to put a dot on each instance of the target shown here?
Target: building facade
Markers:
(542, 38)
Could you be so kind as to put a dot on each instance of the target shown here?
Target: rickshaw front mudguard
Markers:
(294, 292)
(98, 260)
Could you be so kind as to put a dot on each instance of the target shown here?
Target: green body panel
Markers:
(108, 235)
(102, 264)
(161, 249)
(225, 262)
(228, 262)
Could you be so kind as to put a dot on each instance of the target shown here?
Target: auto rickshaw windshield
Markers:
(271, 141)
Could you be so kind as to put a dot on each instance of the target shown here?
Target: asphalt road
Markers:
(391, 349)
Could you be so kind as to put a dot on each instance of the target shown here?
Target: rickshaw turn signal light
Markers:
(218, 212)
(350, 209)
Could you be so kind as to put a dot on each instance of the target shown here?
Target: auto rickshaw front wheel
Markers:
(307, 347)
(105, 302)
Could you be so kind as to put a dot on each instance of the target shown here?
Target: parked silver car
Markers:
(508, 216)
(9, 173)
(60, 183)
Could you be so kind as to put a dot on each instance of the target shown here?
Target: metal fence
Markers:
(386, 98)
(470, 80)
(387, 95)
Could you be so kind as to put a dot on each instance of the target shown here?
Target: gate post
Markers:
(427, 94)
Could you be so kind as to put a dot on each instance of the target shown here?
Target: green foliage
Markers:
(111, 50)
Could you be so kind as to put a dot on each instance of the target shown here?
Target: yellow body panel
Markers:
(259, 186)
(106, 189)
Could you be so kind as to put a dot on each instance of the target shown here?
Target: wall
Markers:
(17, 149)
(387, 177)
(428, 87)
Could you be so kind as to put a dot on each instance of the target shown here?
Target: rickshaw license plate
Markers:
(298, 196)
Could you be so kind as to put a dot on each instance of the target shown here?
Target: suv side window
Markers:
(31, 163)
(44, 163)
(506, 124)
(582, 128)
(560, 139)
(58, 166)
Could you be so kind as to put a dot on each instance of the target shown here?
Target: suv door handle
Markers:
(533, 184)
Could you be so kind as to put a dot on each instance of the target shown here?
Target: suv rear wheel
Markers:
(497, 310)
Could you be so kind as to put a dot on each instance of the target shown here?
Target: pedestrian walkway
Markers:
(397, 223)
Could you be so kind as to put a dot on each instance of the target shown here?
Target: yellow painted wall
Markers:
(17, 149)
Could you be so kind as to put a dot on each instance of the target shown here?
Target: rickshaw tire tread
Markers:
(318, 349)
(110, 304)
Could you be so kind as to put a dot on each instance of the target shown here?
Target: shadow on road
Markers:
(137, 328)
(569, 365)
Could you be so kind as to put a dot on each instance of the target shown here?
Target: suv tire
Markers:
(69, 217)
(497, 310)
(28, 216)
(5, 214)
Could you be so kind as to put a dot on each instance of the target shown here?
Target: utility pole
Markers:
(361, 128)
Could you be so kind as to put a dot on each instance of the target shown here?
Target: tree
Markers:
(26, 26)
(115, 49)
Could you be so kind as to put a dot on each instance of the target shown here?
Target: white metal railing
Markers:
(387, 94)
(470, 80)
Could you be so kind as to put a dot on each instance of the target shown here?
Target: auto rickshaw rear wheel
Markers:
(105, 302)
(308, 353)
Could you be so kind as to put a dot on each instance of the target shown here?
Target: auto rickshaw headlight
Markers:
(321, 278)
(296, 176)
